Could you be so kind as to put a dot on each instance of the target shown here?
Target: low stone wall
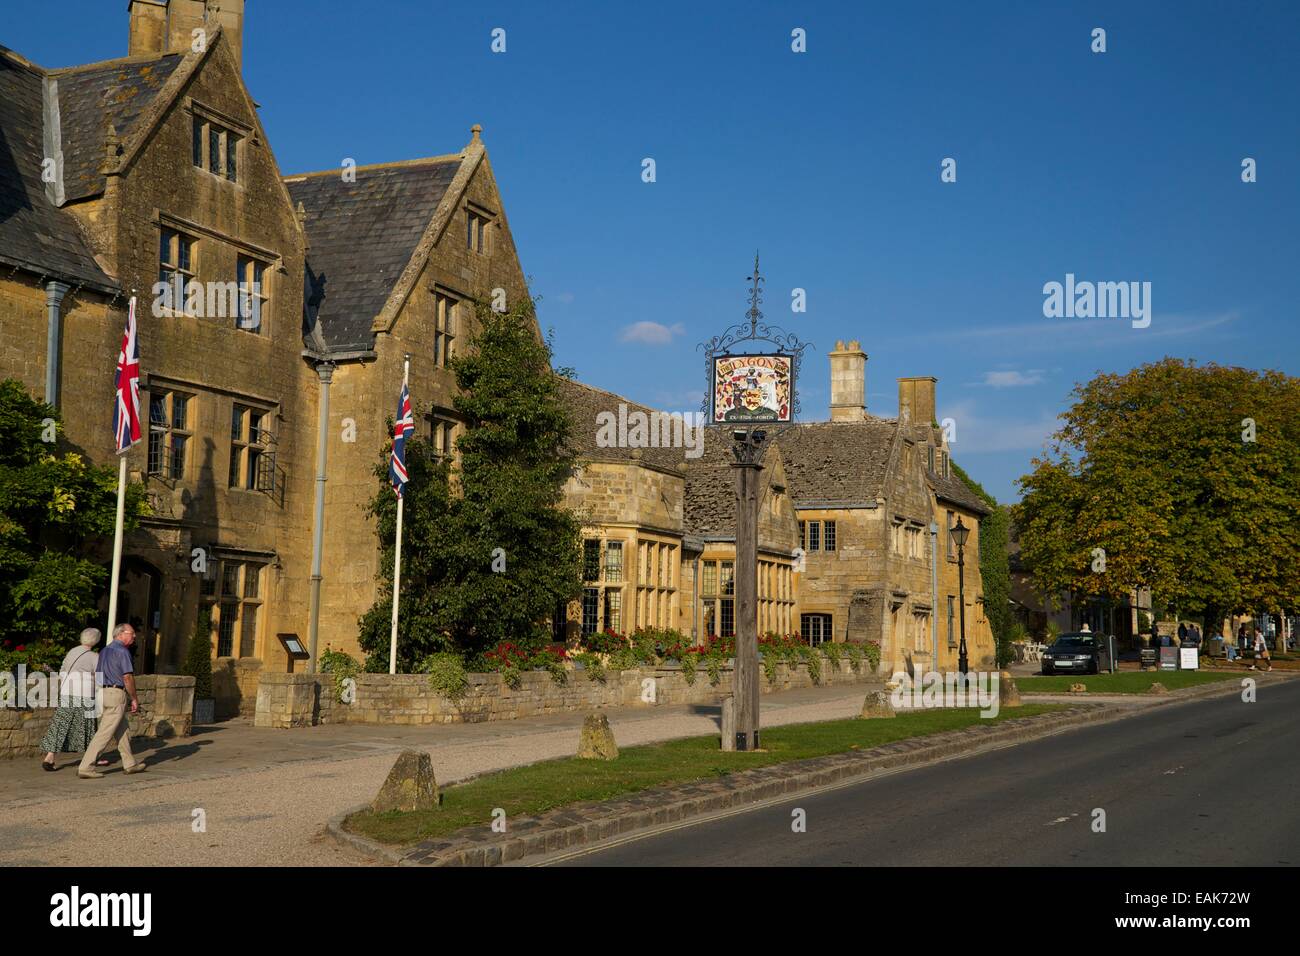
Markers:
(166, 710)
(303, 700)
(234, 685)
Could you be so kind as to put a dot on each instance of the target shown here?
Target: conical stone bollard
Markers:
(877, 704)
(597, 741)
(1008, 692)
(410, 785)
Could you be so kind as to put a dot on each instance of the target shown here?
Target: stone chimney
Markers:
(167, 26)
(917, 395)
(848, 382)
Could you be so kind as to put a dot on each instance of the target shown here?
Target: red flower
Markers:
(21, 647)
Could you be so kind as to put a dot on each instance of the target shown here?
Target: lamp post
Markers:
(959, 534)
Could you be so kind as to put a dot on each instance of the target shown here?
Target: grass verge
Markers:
(1125, 682)
(526, 791)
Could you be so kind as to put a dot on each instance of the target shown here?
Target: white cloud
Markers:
(651, 333)
(1012, 378)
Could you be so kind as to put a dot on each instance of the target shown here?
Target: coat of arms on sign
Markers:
(751, 388)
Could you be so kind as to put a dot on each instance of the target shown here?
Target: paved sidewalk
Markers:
(267, 794)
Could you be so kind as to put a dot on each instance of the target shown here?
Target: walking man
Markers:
(117, 669)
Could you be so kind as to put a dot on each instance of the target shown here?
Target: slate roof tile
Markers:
(34, 233)
(90, 98)
(361, 235)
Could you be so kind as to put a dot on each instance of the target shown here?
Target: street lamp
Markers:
(959, 535)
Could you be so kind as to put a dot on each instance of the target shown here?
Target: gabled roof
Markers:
(361, 236)
(35, 234)
(710, 508)
(91, 98)
(585, 403)
(844, 462)
(952, 489)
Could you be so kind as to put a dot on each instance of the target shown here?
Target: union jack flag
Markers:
(126, 408)
(403, 428)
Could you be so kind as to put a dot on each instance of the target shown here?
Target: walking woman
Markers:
(1261, 652)
(71, 729)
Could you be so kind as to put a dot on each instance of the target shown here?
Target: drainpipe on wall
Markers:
(934, 592)
(54, 293)
(326, 372)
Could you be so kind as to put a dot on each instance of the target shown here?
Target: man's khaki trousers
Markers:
(113, 728)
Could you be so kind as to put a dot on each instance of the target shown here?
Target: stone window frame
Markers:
(825, 627)
(775, 608)
(952, 620)
(447, 306)
(207, 123)
(478, 228)
(896, 543)
(243, 447)
(610, 605)
(921, 625)
(203, 240)
(175, 270)
(228, 628)
(443, 431)
(825, 531)
(166, 468)
(251, 273)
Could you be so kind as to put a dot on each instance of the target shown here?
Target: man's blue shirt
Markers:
(114, 663)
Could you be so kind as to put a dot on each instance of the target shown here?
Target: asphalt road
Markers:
(1210, 782)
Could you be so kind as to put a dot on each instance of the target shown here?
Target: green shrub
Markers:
(831, 651)
(552, 663)
(446, 671)
(592, 665)
(688, 663)
(855, 655)
(198, 659)
(342, 666)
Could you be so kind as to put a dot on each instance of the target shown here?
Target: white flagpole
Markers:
(117, 528)
(117, 548)
(397, 554)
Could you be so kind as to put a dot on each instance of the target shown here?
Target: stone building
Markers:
(274, 315)
(853, 528)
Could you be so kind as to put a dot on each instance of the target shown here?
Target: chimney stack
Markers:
(848, 382)
(918, 395)
(167, 26)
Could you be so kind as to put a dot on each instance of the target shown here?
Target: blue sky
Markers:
(1115, 166)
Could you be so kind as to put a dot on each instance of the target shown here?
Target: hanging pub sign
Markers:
(753, 388)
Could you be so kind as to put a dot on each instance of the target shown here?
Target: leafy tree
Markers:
(488, 550)
(995, 568)
(1186, 477)
(54, 508)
